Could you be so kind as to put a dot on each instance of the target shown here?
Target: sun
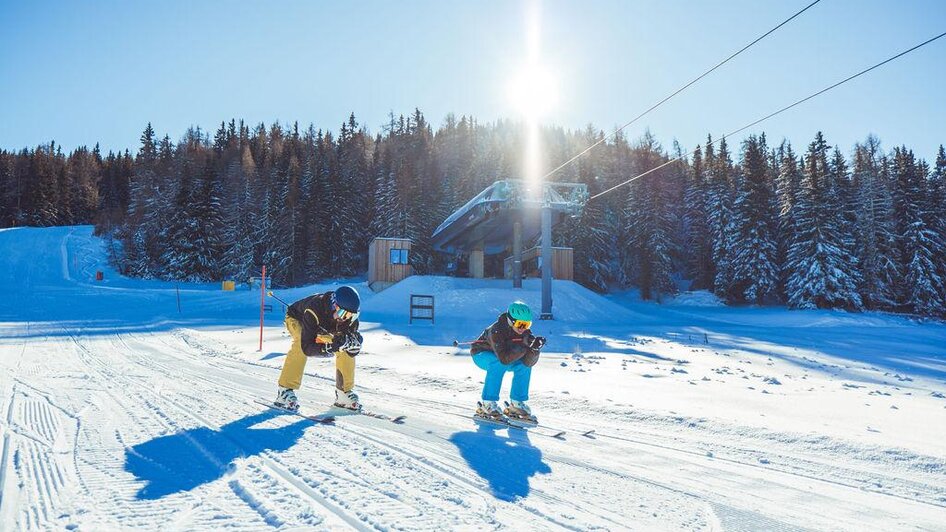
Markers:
(532, 92)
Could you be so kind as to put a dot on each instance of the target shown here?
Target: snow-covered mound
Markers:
(484, 299)
(697, 298)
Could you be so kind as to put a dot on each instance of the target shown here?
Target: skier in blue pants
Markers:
(507, 346)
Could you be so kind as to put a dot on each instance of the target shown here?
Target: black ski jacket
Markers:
(501, 338)
(317, 317)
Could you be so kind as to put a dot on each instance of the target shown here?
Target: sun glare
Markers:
(532, 92)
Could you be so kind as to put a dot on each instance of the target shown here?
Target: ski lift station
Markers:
(498, 220)
(506, 215)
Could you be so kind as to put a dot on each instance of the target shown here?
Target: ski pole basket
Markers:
(422, 308)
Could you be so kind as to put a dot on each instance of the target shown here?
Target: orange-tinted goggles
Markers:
(345, 315)
(521, 324)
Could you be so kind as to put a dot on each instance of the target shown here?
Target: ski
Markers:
(517, 424)
(393, 419)
(324, 419)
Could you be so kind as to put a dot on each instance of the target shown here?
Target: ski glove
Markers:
(536, 342)
(316, 349)
(349, 343)
(530, 358)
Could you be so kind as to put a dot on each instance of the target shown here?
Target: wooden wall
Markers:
(380, 268)
(563, 263)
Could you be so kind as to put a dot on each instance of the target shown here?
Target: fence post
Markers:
(262, 301)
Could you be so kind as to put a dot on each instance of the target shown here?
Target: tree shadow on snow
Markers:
(506, 463)
(185, 460)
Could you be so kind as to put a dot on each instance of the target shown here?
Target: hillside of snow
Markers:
(129, 404)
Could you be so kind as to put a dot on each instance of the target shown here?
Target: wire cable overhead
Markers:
(678, 91)
(780, 111)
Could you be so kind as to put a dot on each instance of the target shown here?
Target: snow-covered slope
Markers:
(121, 411)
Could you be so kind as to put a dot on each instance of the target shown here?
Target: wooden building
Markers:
(388, 262)
(563, 266)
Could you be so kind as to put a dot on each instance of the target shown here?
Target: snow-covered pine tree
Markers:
(651, 221)
(239, 246)
(937, 208)
(356, 195)
(385, 214)
(822, 273)
(9, 189)
(140, 230)
(281, 192)
(209, 214)
(754, 252)
(595, 233)
(840, 182)
(83, 172)
(420, 191)
(180, 255)
(113, 200)
(719, 207)
(922, 286)
(698, 243)
(875, 242)
(315, 211)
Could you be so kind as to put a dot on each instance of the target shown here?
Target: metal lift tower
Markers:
(510, 212)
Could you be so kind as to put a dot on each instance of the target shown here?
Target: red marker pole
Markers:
(262, 301)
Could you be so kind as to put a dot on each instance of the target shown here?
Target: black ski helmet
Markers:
(347, 298)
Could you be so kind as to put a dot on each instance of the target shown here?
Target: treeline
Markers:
(759, 224)
(812, 230)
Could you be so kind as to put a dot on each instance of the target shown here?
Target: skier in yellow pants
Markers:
(321, 325)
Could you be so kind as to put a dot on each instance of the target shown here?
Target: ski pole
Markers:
(271, 294)
(457, 343)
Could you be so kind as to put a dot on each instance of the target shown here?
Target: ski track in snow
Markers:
(697, 479)
(151, 425)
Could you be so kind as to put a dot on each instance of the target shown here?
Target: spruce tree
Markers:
(720, 209)
(754, 252)
(822, 273)
(651, 222)
(919, 247)
(875, 241)
(937, 209)
(698, 248)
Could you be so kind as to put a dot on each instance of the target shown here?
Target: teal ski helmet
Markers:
(519, 311)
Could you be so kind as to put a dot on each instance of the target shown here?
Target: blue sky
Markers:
(82, 72)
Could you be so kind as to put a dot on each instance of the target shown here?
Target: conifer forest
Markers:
(761, 221)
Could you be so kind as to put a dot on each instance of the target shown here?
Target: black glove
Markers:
(535, 342)
(316, 349)
(531, 358)
(349, 342)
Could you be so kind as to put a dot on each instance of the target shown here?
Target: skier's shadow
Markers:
(506, 463)
(185, 460)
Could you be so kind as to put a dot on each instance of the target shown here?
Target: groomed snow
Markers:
(122, 412)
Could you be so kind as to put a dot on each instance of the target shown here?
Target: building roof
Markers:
(488, 218)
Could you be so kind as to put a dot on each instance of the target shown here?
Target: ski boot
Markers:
(347, 400)
(520, 411)
(286, 398)
(489, 410)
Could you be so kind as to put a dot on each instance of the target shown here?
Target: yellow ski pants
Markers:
(294, 366)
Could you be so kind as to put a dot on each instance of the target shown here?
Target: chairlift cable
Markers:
(783, 109)
(678, 91)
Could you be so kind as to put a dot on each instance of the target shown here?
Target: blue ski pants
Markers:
(496, 370)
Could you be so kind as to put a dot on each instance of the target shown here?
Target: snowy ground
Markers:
(120, 412)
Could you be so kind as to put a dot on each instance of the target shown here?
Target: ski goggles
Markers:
(521, 324)
(345, 315)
